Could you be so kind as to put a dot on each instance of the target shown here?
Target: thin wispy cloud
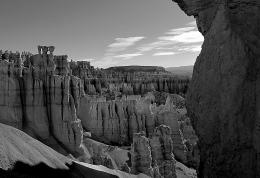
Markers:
(164, 54)
(177, 40)
(86, 59)
(153, 46)
(122, 44)
(179, 31)
(128, 56)
(195, 48)
(193, 23)
(116, 51)
(185, 37)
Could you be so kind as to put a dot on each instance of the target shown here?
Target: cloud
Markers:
(195, 48)
(122, 44)
(164, 54)
(104, 62)
(86, 59)
(193, 23)
(185, 37)
(152, 46)
(179, 31)
(128, 56)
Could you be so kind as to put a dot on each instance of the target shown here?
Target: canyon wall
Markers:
(41, 96)
(115, 122)
(223, 98)
(40, 103)
(128, 82)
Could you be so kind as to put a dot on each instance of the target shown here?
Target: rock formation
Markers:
(223, 100)
(162, 151)
(96, 81)
(141, 156)
(115, 121)
(41, 96)
(40, 103)
(168, 115)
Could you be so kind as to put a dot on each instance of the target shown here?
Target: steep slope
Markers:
(223, 100)
(21, 155)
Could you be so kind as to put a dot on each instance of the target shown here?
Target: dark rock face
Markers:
(224, 97)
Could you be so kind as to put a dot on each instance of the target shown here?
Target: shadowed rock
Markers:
(223, 101)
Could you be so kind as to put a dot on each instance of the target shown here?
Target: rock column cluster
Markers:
(154, 156)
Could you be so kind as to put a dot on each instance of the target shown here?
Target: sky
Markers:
(105, 32)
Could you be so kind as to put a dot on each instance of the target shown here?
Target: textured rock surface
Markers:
(141, 156)
(115, 121)
(223, 100)
(166, 115)
(162, 151)
(41, 96)
(191, 142)
(41, 103)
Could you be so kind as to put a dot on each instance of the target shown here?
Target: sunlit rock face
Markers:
(224, 96)
(115, 122)
(40, 103)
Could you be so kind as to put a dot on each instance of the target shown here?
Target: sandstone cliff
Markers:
(42, 104)
(223, 100)
(115, 122)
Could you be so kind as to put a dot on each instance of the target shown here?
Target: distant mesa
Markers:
(181, 71)
(136, 68)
